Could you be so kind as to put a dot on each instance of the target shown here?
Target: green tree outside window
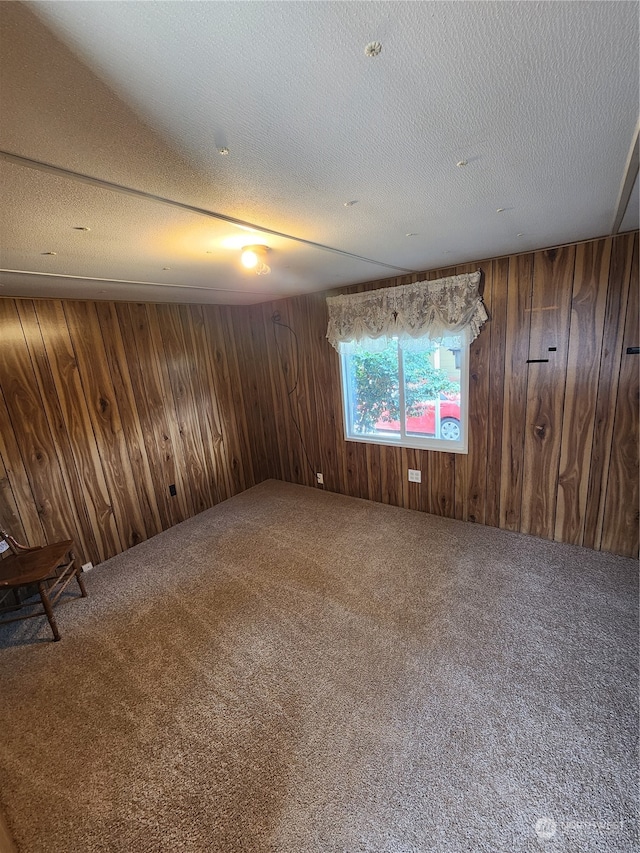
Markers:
(377, 384)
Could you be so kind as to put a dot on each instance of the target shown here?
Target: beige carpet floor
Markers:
(299, 672)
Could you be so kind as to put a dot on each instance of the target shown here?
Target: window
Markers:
(410, 397)
(404, 355)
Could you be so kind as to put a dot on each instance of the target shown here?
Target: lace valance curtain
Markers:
(436, 310)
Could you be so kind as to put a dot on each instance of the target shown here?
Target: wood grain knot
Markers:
(540, 430)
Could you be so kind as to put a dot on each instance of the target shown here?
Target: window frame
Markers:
(412, 442)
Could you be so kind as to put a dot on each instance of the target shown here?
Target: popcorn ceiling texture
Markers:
(539, 98)
(294, 670)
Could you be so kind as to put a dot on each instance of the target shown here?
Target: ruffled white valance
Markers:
(424, 309)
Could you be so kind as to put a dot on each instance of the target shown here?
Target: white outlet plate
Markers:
(86, 567)
(320, 479)
(415, 476)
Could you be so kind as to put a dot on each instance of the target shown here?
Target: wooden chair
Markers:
(50, 567)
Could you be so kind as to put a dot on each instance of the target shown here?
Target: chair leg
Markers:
(80, 580)
(44, 597)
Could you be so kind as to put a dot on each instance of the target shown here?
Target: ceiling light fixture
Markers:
(373, 48)
(252, 258)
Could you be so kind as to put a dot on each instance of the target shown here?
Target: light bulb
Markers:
(253, 258)
(249, 258)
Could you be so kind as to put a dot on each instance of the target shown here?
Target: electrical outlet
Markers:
(86, 567)
(415, 476)
(320, 479)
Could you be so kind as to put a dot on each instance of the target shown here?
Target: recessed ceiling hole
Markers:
(48, 253)
(373, 48)
(223, 151)
(81, 228)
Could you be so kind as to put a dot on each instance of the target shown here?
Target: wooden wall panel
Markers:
(496, 303)
(16, 495)
(307, 395)
(281, 384)
(585, 347)
(103, 407)
(235, 397)
(141, 360)
(548, 339)
(248, 336)
(471, 469)
(75, 412)
(206, 404)
(233, 444)
(32, 433)
(83, 533)
(188, 472)
(610, 360)
(516, 374)
(118, 370)
(106, 422)
(620, 527)
(540, 433)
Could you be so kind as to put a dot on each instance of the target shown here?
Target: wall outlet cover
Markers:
(320, 479)
(415, 476)
(86, 567)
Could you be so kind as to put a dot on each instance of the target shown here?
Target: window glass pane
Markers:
(432, 392)
(372, 392)
(407, 393)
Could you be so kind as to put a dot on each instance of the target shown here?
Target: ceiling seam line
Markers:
(202, 211)
(133, 281)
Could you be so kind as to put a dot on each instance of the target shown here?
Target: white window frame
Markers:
(412, 441)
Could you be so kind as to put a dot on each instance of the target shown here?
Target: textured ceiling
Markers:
(540, 100)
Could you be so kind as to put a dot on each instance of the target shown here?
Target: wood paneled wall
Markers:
(104, 406)
(553, 446)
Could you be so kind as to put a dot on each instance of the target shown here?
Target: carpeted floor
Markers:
(299, 672)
